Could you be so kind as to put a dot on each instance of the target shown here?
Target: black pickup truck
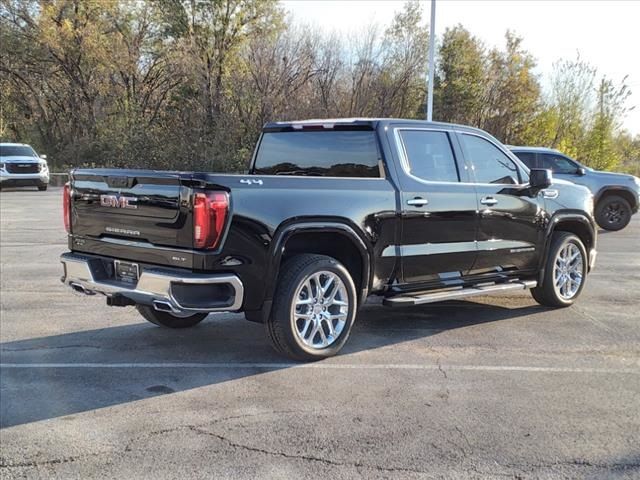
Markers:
(330, 212)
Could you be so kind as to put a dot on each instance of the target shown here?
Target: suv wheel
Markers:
(613, 213)
(313, 309)
(165, 319)
(565, 272)
(42, 188)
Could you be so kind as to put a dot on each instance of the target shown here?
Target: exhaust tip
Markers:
(79, 288)
(164, 306)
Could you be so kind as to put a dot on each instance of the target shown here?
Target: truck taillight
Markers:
(209, 214)
(66, 206)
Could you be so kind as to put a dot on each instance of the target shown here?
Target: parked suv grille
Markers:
(22, 167)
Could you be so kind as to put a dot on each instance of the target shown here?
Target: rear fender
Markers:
(285, 233)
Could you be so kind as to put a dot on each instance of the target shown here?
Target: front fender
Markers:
(567, 221)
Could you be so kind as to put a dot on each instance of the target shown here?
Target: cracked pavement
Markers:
(493, 387)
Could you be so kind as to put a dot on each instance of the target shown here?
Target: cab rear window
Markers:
(348, 153)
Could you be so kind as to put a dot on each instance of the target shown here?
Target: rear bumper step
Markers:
(439, 296)
(170, 290)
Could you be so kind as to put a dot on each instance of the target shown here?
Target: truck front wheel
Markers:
(314, 308)
(165, 319)
(565, 272)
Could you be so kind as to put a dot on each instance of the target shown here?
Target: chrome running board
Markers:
(440, 295)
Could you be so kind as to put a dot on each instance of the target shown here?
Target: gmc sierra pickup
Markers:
(330, 212)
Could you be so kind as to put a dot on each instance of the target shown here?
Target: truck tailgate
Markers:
(141, 205)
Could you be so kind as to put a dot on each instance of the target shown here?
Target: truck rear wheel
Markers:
(314, 308)
(165, 319)
(565, 272)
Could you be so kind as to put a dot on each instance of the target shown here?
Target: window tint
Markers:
(330, 153)
(16, 151)
(558, 163)
(491, 165)
(430, 156)
(528, 158)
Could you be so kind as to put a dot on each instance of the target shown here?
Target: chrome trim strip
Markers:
(455, 247)
(152, 285)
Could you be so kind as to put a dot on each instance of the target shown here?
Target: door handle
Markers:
(488, 201)
(417, 202)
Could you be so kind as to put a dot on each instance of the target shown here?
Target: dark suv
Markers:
(616, 195)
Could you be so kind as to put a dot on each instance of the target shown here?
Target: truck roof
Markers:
(361, 122)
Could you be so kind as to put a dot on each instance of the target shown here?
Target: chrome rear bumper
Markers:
(155, 286)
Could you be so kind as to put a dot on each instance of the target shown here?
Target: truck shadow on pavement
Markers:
(222, 342)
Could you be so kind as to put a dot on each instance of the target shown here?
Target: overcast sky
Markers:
(606, 33)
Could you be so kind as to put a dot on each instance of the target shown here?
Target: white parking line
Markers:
(325, 366)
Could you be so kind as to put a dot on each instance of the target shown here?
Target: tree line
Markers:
(188, 84)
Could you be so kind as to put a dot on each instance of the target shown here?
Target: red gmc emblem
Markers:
(118, 201)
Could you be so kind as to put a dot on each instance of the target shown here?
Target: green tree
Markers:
(211, 33)
(571, 99)
(629, 152)
(187, 84)
(401, 87)
(460, 84)
(512, 98)
(600, 151)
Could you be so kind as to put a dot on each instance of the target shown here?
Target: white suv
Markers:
(20, 166)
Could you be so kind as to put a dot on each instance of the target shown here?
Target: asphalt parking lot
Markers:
(494, 387)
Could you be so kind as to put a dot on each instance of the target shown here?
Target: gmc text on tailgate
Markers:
(331, 211)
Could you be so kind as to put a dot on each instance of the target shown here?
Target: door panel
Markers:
(438, 212)
(510, 231)
(510, 224)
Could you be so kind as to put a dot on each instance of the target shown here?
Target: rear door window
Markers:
(430, 155)
(343, 153)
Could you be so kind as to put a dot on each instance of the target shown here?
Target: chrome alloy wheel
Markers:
(568, 271)
(320, 309)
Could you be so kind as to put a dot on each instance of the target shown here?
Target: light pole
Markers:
(432, 66)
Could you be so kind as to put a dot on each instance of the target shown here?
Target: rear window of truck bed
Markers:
(318, 153)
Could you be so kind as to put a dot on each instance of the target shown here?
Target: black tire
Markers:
(42, 188)
(547, 294)
(281, 325)
(613, 213)
(165, 319)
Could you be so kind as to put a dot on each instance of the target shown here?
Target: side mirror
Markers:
(44, 157)
(540, 178)
(581, 171)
